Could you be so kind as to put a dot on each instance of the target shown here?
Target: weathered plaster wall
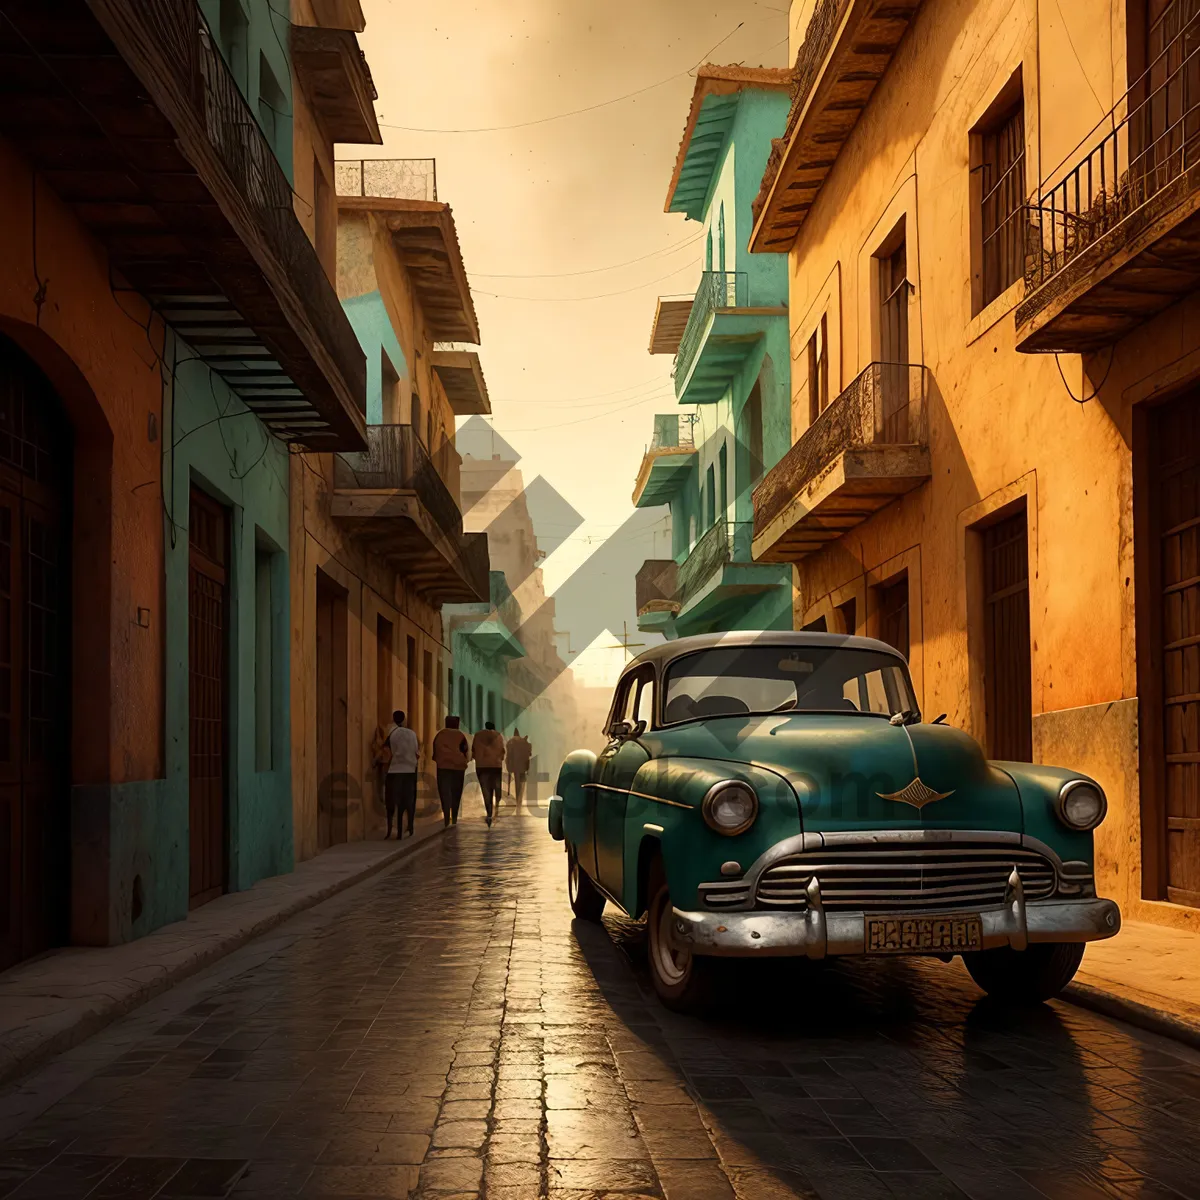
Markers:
(1003, 426)
(94, 347)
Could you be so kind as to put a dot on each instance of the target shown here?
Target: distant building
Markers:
(732, 372)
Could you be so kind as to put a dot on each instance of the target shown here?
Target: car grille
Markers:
(903, 877)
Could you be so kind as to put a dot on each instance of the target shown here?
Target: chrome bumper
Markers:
(817, 934)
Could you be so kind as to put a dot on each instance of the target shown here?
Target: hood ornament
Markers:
(917, 794)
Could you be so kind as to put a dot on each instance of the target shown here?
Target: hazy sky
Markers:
(546, 212)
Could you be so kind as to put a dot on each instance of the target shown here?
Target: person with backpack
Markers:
(487, 749)
(451, 755)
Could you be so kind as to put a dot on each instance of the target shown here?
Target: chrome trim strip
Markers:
(649, 828)
(604, 787)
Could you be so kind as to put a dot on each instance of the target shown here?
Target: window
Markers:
(635, 698)
(818, 371)
(708, 253)
(643, 710)
(1008, 667)
(325, 219)
(819, 625)
(710, 496)
(754, 432)
(272, 108)
(737, 681)
(691, 531)
(1001, 190)
(893, 613)
(390, 389)
(233, 30)
(723, 494)
(414, 413)
(264, 662)
(893, 303)
(721, 237)
(383, 671)
(849, 616)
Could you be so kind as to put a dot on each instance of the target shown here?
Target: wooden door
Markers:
(208, 695)
(893, 614)
(1008, 665)
(1176, 475)
(35, 742)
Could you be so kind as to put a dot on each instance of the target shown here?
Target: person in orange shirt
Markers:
(451, 754)
(487, 749)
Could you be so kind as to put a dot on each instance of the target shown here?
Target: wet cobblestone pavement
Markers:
(446, 1030)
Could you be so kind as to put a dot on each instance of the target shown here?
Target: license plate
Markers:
(924, 935)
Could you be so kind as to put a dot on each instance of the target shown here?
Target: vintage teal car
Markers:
(779, 794)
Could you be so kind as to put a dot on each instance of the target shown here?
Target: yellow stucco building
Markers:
(988, 210)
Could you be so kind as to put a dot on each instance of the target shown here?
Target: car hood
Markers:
(861, 772)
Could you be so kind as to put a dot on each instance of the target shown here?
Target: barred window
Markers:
(1002, 197)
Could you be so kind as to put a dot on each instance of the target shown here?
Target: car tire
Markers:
(682, 980)
(587, 901)
(1027, 976)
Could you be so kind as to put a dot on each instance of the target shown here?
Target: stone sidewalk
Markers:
(57, 1000)
(1147, 975)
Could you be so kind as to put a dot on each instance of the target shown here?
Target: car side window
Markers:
(644, 708)
(626, 696)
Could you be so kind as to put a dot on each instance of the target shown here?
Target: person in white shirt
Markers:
(400, 785)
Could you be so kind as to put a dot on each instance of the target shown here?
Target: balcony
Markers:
(847, 48)
(718, 582)
(868, 447)
(129, 113)
(487, 626)
(461, 375)
(334, 74)
(1115, 238)
(387, 178)
(721, 333)
(394, 500)
(656, 593)
(667, 461)
(670, 320)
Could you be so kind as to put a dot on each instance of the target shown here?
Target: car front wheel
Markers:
(682, 980)
(1027, 976)
(587, 902)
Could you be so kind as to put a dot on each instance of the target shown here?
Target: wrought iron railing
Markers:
(387, 178)
(396, 458)
(814, 50)
(885, 405)
(673, 431)
(1142, 147)
(718, 289)
(174, 35)
(656, 586)
(717, 546)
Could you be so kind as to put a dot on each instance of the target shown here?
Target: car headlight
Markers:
(1081, 805)
(730, 807)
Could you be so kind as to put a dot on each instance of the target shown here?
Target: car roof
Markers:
(668, 651)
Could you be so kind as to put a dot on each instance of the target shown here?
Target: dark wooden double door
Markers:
(208, 697)
(1169, 654)
(35, 736)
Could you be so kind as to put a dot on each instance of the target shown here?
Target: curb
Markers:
(1132, 1012)
(92, 1022)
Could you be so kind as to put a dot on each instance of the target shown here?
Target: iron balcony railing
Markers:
(656, 586)
(673, 431)
(1145, 143)
(718, 546)
(396, 458)
(884, 406)
(718, 289)
(814, 50)
(387, 178)
(184, 46)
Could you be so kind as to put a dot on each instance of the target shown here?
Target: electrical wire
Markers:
(592, 270)
(1081, 400)
(599, 296)
(575, 112)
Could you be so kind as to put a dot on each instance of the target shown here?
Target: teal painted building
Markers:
(482, 642)
(731, 372)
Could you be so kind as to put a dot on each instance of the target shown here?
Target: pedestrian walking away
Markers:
(487, 749)
(400, 785)
(451, 755)
(519, 754)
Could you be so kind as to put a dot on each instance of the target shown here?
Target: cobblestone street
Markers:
(445, 1030)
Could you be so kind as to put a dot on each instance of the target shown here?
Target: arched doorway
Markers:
(35, 648)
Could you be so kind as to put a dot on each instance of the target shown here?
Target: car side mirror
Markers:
(639, 729)
(620, 729)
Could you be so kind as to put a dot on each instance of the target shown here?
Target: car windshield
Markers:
(736, 680)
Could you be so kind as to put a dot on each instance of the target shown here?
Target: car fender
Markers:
(1038, 787)
(663, 815)
(577, 769)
